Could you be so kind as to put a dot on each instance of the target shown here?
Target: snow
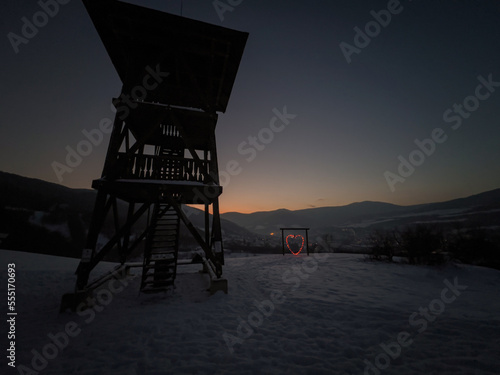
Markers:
(442, 216)
(38, 219)
(443, 212)
(323, 314)
(368, 223)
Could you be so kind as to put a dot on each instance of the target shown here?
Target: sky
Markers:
(404, 110)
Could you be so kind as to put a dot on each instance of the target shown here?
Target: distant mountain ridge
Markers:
(30, 207)
(354, 213)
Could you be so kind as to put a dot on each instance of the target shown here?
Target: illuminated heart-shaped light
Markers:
(292, 237)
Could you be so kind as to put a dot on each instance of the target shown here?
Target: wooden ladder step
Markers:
(160, 257)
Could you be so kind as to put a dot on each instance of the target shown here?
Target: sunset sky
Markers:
(430, 72)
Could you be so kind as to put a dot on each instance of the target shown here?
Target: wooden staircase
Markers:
(162, 247)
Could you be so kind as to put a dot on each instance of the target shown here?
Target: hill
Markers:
(481, 209)
(54, 219)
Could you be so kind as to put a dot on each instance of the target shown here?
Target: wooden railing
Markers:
(161, 167)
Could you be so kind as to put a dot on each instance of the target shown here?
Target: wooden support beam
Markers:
(206, 247)
(126, 250)
(209, 177)
(85, 267)
(101, 207)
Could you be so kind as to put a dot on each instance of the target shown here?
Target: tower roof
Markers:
(201, 59)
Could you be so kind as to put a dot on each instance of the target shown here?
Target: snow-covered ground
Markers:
(323, 314)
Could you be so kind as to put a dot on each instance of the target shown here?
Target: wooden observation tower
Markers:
(177, 74)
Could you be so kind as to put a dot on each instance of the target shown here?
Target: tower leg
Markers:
(90, 257)
(217, 233)
(100, 210)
